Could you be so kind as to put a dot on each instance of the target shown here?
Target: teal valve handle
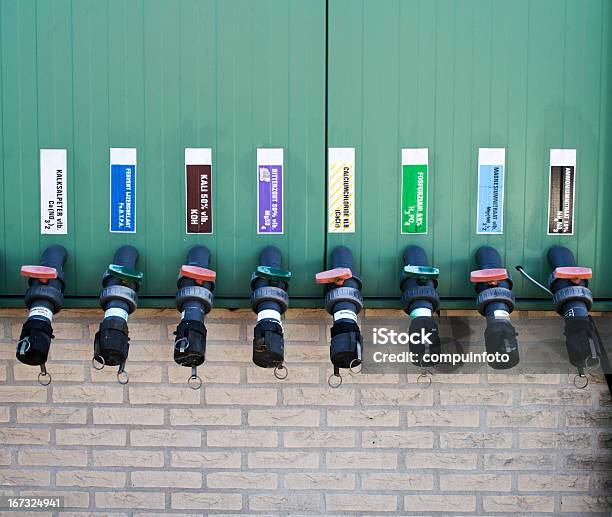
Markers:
(421, 273)
(274, 274)
(125, 273)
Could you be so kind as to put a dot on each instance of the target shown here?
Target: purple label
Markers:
(270, 199)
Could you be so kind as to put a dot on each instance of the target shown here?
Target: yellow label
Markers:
(341, 190)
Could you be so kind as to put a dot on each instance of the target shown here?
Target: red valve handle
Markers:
(573, 273)
(42, 273)
(199, 274)
(488, 275)
(334, 276)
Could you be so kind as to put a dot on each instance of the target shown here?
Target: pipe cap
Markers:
(334, 276)
(197, 273)
(275, 274)
(125, 273)
(573, 273)
(42, 273)
(488, 276)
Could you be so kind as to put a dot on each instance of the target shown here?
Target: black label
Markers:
(561, 201)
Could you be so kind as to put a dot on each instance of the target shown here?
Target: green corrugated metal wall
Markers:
(162, 75)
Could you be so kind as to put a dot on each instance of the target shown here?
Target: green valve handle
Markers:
(273, 273)
(421, 273)
(125, 273)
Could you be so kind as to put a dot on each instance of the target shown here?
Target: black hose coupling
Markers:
(118, 298)
(343, 300)
(194, 300)
(44, 298)
(495, 301)
(420, 300)
(269, 301)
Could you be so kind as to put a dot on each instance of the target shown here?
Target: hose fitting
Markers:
(44, 298)
(343, 300)
(118, 298)
(420, 300)
(269, 301)
(495, 301)
(194, 300)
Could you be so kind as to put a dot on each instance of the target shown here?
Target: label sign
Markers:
(122, 190)
(269, 190)
(414, 190)
(53, 170)
(491, 170)
(198, 190)
(341, 190)
(561, 191)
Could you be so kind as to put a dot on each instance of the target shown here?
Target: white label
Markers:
(41, 312)
(123, 185)
(341, 190)
(269, 314)
(417, 313)
(490, 195)
(116, 312)
(501, 315)
(345, 314)
(561, 192)
(53, 183)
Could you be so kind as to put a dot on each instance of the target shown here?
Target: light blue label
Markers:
(490, 199)
(123, 198)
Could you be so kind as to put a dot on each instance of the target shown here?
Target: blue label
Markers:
(490, 199)
(123, 198)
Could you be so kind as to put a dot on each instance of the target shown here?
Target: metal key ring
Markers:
(25, 340)
(427, 376)
(42, 375)
(98, 359)
(123, 377)
(579, 376)
(279, 368)
(194, 382)
(176, 343)
(329, 381)
(352, 366)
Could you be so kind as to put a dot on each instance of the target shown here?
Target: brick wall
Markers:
(250, 444)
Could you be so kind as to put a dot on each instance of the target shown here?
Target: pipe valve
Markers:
(269, 301)
(343, 300)
(118, 298)
(44, 298)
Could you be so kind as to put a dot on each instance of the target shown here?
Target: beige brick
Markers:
(236, 353)
(298, 332)
(459, 396)
(476, 482)
(297, 374)
(243, 480)
(396, 481)
(518, 503)
(307, 354)
(4, 414)
(475, 440)
(208, 373)
(164, 395)
(23, 478)
(604, 440)
(128, 458)
(241, 438)
(586, 504)
(524, 378)
(90, 394)
(71, 352)
(290, 502)
(318, 438)
(166, 479)
(360, 502)
(52, 457)
(23, 394)
(551, 482)
(447, 378)
(442, 418)
(128, 416)
(244, 396)
(206, 501)
(359, 460)
(281, 459)
(5, 457)
(205, 417)
(223, 331)
(521, 418)
(366, 378)
(2, 366)
(284, 417)
(589, 418)
(71, 499)
(556, 396)
(363, 418)
(205, 459)
(165, 438)
(90, 436)
(519, 461)
(138, 372)
(554, 440)
(320, 481)
(151, 352)
(24, 435)
(587, 460)
(396, 397)
(131, 500)
(397, 439)
(436, 503)
(64, 372)
(72, 331)
(90, 478)
(51, 415)
(318, 396)
(441, 460)
(144, 331)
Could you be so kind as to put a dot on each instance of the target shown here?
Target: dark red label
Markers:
(199, 199)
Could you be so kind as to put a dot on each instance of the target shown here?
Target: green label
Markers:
(414, 198)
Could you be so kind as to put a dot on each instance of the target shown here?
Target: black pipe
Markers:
(560, 256)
